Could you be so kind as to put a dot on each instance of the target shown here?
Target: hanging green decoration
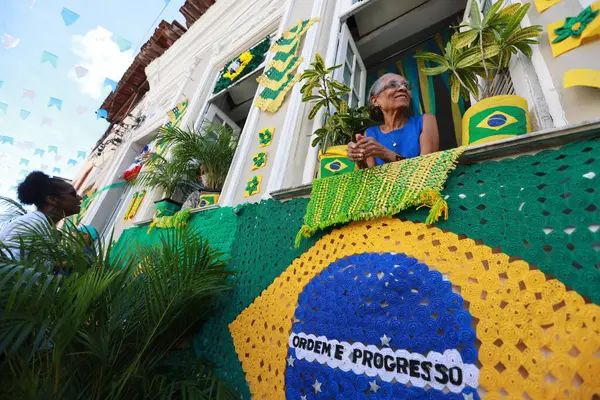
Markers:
(242, 65)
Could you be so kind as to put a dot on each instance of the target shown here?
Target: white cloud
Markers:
(102, 58)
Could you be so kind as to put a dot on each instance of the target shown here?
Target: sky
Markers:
(50, 112)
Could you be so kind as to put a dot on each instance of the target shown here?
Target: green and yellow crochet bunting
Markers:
(279, 76)
(380, 192)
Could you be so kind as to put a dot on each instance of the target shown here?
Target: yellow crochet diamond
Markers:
(497, 120)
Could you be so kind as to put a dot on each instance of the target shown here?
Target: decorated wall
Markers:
(502, 298)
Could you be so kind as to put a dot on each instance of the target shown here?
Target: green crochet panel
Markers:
(541, 208)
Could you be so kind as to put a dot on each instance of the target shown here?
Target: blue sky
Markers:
(89, 42)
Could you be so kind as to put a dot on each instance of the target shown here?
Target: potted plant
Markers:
(340, 122)
(208, 152)
(177, 180)
(477, 59)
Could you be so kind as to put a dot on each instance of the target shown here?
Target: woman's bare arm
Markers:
(430, 139)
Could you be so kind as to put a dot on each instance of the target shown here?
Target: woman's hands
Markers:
(366, 147)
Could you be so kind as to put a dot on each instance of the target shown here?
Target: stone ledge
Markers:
(194, 211)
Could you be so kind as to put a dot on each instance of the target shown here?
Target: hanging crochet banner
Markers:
(111, 83)
(279, 76)
(56, 170)
(39, 152)
(81, 154)
(243, 65)
(177, 113)
(574, 31)
(7, 139)
(101, 114)
(24, 114)
(123, 44)
(72, 162)
(380, 191)
(53, 149)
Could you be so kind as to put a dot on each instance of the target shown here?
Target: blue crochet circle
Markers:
(497, 120)
(363, 297)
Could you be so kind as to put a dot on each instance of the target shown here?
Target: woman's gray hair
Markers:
(375, 113)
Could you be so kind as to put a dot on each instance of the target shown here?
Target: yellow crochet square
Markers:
(265, 137)
(543, 5)
(253, 186)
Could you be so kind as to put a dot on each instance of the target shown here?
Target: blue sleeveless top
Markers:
(405, 138)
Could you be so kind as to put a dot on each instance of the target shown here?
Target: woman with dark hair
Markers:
(54, 199)
(399, 137)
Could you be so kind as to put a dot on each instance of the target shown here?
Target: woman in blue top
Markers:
(399, 137)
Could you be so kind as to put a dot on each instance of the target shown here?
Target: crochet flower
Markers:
(252, 186)
(259, 160)
(574, 26)
(265, 137)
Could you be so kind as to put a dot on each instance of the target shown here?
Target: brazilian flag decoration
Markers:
(495, 118)
(501, 299)
(246, 62)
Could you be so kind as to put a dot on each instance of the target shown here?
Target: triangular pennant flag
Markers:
(111, 83)
(25, 114)
(57, 158)
(43, 167)
(24, 161)
(81, 110)
(53, 149)
(28, 94)
(56, 170)
(101, 114)
(123, 44)
(55, 102)
(71, 162)
(7, 139)
(80, 71)
(47, 121)
(24, 172)
(49, 57)
(3, 107)
(9, 42)
(81, 154)
(39, 152)
(68, 16)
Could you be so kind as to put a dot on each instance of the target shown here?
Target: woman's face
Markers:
(394, 94)
(67, 199)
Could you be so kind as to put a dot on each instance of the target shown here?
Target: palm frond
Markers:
(10, 209)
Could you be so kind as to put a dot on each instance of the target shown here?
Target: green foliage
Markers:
(9, 210)
(115, 327)
(483, 48)
(173, 177)
(207, 152)
(324, 92)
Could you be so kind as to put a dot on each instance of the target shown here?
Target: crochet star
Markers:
(468, 396)
(265, 137)
(291, 361)
(374, 386)
(317, 386)
(303, 397)
(385, 341)
(574, 26)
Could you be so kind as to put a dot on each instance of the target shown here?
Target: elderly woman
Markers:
(399, 136)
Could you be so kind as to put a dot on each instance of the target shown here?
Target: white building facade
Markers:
(360, 35)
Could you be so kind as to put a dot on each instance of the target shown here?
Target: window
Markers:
(352, 72)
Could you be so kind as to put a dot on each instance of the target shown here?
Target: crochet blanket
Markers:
(380, 192)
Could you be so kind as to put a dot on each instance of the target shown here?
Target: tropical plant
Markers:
(483, 48)
(175, 178)
(340, 122)
(114, 327)
(9, 210)
(208, 151)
